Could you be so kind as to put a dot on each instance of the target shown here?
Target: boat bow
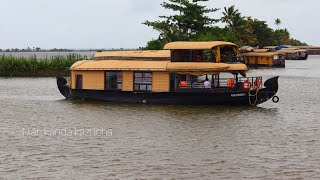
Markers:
(270, 90)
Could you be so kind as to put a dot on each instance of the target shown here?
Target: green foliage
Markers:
(281, 36)
(190, 20)
(253, 32)
(191, 23)
(232, 18)
(295, 42)
(31, 66)
(264, 34)
(245, 32)
(241, 26)
(277, 22)
(154, 45)
(217, 34)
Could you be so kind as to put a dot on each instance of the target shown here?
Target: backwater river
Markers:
(44, 136)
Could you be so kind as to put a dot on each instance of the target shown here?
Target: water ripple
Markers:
(271, 141)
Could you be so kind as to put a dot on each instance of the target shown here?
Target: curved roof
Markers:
(129, 65)
(142, 55)
(261, 50)
(205, 66)
(291, 50)
(269, 47)
(196, 45)
(307, 47)
(261, 54)
(246, 48)
(120, 65)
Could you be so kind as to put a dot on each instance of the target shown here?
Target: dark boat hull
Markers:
(298, 58)
(209, 97)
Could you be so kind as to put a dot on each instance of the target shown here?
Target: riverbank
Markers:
(32, 66)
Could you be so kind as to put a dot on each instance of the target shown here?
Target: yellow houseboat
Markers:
(200, 73)
(264, 58)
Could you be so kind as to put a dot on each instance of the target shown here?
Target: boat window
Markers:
(142, 81)
(201, 56)
(113, 80)
(227, 54)
(191, 56)
(181, 56)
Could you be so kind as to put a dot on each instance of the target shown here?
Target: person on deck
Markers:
(207, 84)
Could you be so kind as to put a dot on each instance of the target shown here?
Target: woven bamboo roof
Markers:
(246, 48)
(129, 65)
(120, 65)
(269, 47)
(204, 66)
(142, 55)
(261, 50)
(261, 54)
(291, 50)
(308, 47)
(196, 45)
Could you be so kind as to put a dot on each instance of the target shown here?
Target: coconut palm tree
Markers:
(277, 22)
(231, 17)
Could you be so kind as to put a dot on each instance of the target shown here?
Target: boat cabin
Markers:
(181, 66)
(216, 52)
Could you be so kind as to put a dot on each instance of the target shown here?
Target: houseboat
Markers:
(294, 53)
(263, 58)
(311, 50)
(196, 73)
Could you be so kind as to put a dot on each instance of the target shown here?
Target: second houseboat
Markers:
(264, 58)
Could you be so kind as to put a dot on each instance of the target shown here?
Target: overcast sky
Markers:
(118, 23)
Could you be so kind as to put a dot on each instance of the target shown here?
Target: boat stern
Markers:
(63, 87)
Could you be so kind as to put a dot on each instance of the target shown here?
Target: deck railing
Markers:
(224, 59)
(231, 83)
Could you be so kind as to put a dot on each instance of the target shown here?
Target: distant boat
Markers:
(292, 53)
(195, 73)
(262, 58)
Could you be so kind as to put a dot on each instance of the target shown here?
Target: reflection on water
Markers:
(270, 141)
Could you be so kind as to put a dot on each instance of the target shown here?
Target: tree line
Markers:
(191, 22)
(36, 49)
